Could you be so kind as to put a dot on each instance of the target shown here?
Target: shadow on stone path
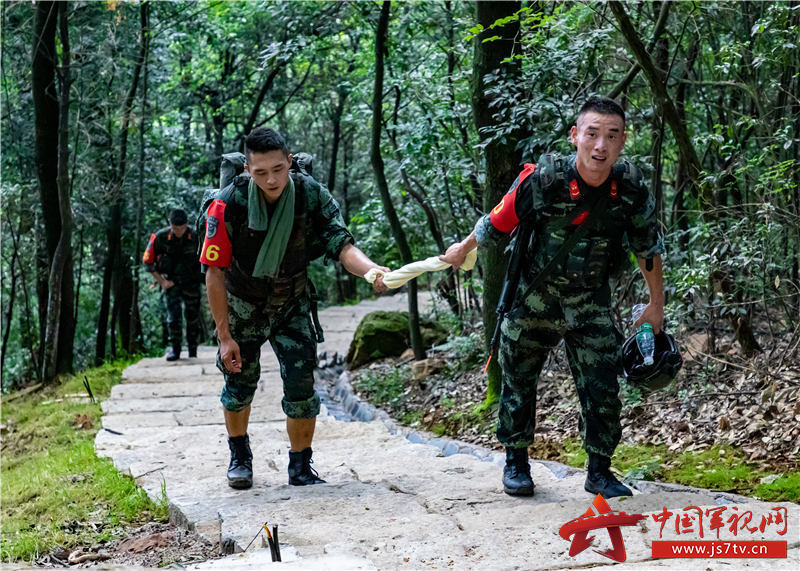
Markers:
(389, 502)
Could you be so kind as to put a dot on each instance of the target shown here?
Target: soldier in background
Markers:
(171, 257)
(573, 301)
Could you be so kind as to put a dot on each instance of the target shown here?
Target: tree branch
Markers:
(662, 98)
(661, 23)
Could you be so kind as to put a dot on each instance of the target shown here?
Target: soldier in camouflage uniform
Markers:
(573, 302)
(260, 236)
(171, 256)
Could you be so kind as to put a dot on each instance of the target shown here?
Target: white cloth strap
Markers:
(400, 276)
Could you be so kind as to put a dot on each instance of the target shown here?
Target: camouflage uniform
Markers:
(574, 302)
(276, 310)
(292, 336)
(176, 260)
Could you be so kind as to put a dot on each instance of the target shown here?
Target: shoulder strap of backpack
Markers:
(552, 170)
(597, 207)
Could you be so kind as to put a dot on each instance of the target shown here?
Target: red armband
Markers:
(216, 246)
(504, 215)
(149, 256)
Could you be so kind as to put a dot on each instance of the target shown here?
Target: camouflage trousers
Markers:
(583, 319)
(290, 332)
(177, 298)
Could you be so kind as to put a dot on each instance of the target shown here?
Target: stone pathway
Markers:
(389, 502)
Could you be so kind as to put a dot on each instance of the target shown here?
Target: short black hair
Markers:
(264, 140)
(178, 217)
(603, 106)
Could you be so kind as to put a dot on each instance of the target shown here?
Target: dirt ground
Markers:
(151, 545)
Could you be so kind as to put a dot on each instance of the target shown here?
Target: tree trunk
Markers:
(105, 299)
(658, 29)
(45, 108)
(337, 137)
(114, 228)
(344, 285)
(9, 313)
(124, 297)
(135, 331)
(502, 159)
(399, 234)
(56, 303)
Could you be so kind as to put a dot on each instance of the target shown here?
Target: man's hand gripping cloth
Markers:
(400, 276)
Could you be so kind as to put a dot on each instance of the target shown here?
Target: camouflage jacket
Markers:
(554, 199)
(229, 243)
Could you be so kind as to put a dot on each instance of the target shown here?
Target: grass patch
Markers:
(455, 422)
(439, 429)
(720, 467)
(55, 490)
(785, 489)
(384, 388)
(412, 417)
(468, 352)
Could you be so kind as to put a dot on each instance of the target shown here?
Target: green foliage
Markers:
(384, 389)
(631, 395)
(721, 467)
(717, 468)
(412, 418)
(786, 488)
(468, 351)
(574, 454)
(731, 69)
(55, 490)
(750, 252)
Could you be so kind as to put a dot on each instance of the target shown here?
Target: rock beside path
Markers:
(382, 334)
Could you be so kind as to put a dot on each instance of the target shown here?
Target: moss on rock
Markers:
(385, 334)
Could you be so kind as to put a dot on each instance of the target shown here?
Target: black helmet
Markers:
(667, 361)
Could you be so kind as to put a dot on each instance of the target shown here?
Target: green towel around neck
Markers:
(278, 229)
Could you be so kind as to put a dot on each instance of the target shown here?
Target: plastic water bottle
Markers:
(637, 311)
(646, 342)
(645, 339)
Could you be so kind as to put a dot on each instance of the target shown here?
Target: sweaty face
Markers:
(270, 172)
(598, 140)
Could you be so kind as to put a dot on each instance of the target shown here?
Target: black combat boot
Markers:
(192, 352)
(601, 481)
(300, 471)
(173, 353)
(240, 470)
(517, 473)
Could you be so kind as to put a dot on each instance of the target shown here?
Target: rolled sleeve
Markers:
(486, 234)
(330, 227)
(643, 235)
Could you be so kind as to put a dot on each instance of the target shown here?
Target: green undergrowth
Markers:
(384, 388)
(720, 467)
(55, 490)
